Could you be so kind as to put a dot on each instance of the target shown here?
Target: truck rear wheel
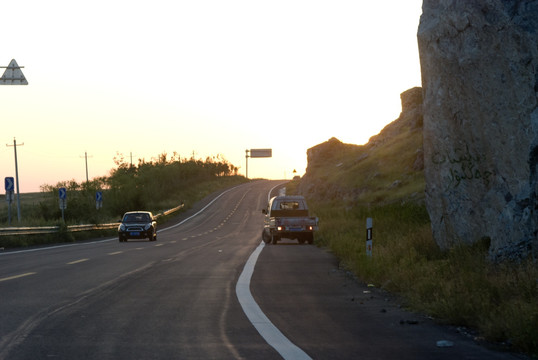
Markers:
(266, 237)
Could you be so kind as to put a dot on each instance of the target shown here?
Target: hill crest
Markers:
(389, 167)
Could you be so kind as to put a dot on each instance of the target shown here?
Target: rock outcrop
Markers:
(479, 61)
(333, 163)
(410, 118)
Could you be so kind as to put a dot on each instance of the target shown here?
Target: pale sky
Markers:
(209, 77)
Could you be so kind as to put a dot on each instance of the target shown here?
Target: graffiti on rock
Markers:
(462, 166)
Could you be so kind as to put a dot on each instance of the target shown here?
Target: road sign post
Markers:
(17, 178)
(9, 184)
(62, 194)
(98, 200)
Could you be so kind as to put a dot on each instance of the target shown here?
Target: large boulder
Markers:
(479, 61)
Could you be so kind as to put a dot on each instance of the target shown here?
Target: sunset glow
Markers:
(199, 78)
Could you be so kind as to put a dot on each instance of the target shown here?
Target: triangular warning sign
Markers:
(13, 75)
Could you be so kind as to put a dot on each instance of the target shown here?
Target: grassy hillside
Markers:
(384, 180)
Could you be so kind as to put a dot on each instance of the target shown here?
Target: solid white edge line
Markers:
(261, 322)
(205, 207)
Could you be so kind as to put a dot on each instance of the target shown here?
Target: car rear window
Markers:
(136, 217)
(288, 205)
(292, 208)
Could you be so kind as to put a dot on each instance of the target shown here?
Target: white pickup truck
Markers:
(287, 217)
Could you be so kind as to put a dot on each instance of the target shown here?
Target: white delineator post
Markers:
(369, 237)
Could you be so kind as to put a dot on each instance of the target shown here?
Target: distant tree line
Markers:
(148, 185)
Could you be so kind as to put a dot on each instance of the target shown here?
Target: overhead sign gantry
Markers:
(257, 153)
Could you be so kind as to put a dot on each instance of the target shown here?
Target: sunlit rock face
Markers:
(479, 62)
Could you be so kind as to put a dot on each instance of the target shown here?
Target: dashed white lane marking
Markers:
(17, 276)
(261, 322)
(77, 261)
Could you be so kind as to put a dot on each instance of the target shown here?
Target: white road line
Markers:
(114, 238)
(17, 276)
(57, 247)
(205, 207)
(77, 261)
(261, 322)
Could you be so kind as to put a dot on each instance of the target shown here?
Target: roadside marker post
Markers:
(369, 226)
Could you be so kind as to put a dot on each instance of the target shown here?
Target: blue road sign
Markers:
(63, 193)
(9, 183)
(99, 196)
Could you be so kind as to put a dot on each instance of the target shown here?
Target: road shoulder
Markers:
(329, 314)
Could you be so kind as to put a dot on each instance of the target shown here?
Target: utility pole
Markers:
(86, 159)
(13, 76)
(246, 163)
(17, 178)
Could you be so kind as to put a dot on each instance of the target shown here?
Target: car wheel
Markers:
(310, 239)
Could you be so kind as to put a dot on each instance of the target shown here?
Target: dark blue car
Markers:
(137, 225)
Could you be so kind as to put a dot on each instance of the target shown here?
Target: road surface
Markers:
(180, 298)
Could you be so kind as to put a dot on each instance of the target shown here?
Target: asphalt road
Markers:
(177, 298)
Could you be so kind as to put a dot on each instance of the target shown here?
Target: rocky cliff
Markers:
(479, 61)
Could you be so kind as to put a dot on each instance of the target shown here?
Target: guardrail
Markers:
(35, 230)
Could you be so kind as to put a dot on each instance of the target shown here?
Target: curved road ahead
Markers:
(176, 298)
